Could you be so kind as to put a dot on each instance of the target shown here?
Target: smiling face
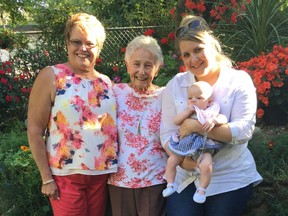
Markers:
(199, 58)
(142, 69)
(81, 52)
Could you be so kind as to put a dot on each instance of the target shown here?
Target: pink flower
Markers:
(46, 53)
(117, 79)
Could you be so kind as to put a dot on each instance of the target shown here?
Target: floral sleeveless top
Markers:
(81, 136)
(141, 158)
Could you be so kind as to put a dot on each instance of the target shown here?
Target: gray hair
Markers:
(146, 42)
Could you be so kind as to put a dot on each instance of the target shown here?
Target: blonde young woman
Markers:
(74, 105)
(234, 170)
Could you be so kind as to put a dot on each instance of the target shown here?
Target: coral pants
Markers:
(81, 195)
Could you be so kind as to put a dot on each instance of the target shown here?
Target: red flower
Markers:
(123, 50)
(17, 99)
(98, 61)
(22, 76)
(269, 74)
(2, 72)
(201, 6)
(8, 63)
(171, 35)
(172, 11)
(234, 18)
(164, 41)
(271, 144)
(115, 68)
(8, 98)
(8, 70)
(213, 13)
(260, 113)
(149, 32)
(4, 81)
(182, 69)
(24, 90)
(190, 5)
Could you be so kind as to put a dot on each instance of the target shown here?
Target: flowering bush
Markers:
(226, 11)
(223, 14)
(17, 77)
(270, 76)
(14, 88)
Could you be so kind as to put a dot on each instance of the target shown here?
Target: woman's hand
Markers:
(50, 190)
(189, 126)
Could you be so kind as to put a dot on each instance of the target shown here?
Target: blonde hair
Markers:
(85, 22)
(202, 34)
(145, 42)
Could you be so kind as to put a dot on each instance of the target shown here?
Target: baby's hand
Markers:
(208, 126)
(190, 109)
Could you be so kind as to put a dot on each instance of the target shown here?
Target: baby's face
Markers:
(197, 97)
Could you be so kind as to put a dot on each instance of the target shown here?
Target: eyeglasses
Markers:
(79, 43)
(193, 25)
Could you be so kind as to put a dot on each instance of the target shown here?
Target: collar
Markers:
(187, 79)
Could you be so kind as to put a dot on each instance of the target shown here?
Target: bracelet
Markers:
(47, 182)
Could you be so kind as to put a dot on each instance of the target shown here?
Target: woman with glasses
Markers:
(136, 189)
(74, 107)
(234, 170)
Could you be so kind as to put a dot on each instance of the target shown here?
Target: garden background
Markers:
(254, 34)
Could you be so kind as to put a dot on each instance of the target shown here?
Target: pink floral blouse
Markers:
(81, 136)
(141, 158)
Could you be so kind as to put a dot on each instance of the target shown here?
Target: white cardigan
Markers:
(234, 166)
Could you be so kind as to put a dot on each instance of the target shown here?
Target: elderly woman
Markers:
(234, 170)
(136, 189)
(75, 106)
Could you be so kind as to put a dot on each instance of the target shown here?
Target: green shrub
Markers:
(269, 148)
(10, 39)
(20, 181)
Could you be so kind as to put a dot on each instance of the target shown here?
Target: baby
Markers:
(200, 105)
